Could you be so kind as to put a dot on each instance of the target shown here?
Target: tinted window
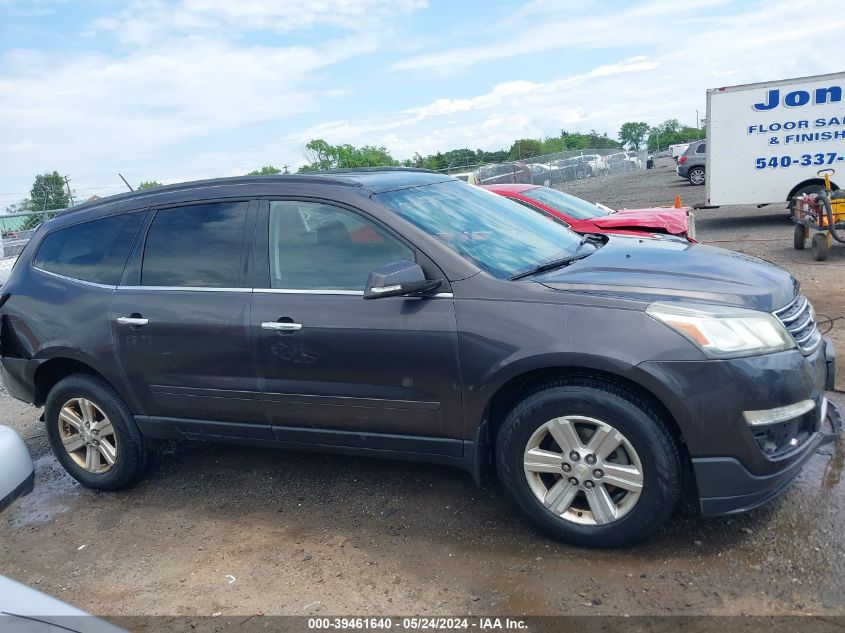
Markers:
(93, 251)
(317, 246)
(199, 245)
(701, 149)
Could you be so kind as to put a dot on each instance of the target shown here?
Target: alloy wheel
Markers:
(583, 470)
(87, 435)
(696, 177)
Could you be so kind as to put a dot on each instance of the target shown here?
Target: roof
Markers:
(371, 179)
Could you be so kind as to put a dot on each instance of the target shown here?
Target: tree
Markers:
(525, 148)
(267, 170)
(321, 155)
(632, 133)
(48, 193)
(149, 184)
(671, 132)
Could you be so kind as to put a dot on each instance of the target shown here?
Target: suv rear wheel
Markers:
(93, 434)
(589, 463)
(696, 176)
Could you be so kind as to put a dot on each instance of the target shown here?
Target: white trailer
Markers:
(767, 142)
(678, 150)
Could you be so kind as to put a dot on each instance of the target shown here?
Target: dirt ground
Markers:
(241, 531)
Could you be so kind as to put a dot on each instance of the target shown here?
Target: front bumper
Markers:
(732, 471)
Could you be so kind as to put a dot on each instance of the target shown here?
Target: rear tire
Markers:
(696, 176)
(93, 434)
(820, 248)
(580, 514)
(799, 236)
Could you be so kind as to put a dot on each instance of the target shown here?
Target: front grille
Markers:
(799, 320)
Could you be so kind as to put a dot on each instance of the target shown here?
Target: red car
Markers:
(584, 217)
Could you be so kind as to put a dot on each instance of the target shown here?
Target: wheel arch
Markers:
(806, 183)
(509, 393)
(52, 370)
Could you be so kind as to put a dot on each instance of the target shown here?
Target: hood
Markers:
(672, 221)
(668, 269)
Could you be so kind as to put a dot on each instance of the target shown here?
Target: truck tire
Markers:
(589, 462)
(93, 434)
(696, 176)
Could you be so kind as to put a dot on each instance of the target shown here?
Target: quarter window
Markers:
(315, 246)
(195, 246)
(93, 251)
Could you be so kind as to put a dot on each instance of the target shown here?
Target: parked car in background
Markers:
(635, 158)
(598, 372)
(585, 217)
(546, 175)
(691, 163)
(677, 150)
(575, 168)
(502, 173)
(598, 164)
(619, 163)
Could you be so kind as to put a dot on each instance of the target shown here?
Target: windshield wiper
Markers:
(563, 261)
(555, 263)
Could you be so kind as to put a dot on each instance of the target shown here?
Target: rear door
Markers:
(336, 369)
(180, 320)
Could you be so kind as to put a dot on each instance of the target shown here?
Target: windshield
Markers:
(497, 235)
(563, 202)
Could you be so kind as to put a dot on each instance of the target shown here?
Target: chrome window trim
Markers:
(294, 291)
(186, 288)
(74, 279)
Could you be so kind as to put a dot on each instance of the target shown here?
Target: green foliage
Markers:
(671, 132)
(149, 184)
(633, 133)
(48, 192)
(525, 148)
(321, 155)
(267, 170)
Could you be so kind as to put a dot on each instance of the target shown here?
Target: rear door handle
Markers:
(281, 326)
(132, 321)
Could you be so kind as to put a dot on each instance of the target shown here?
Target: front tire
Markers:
(589, 463)
(93, 433)
(799, 236)
(821, 249)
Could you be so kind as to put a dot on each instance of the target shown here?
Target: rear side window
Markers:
(195, 246)
(93, 251)
(701, 149)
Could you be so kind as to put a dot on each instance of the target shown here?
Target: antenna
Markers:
(124, 181)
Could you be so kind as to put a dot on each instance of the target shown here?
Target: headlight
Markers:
(724, 332)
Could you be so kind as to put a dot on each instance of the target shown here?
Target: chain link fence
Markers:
(15, 231)
(554, 169)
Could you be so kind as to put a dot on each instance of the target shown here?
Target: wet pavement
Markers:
(241, 531)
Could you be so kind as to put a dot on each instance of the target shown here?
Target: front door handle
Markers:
(281, 326)
(136, 321)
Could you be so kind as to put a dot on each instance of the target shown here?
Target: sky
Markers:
(175, 90)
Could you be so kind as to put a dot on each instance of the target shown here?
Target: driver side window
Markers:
(316, 246)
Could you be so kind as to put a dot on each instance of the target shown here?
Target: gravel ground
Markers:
(245, 531)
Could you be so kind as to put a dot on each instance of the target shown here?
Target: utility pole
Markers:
(69, 192)
(697, 122)
(286, 169)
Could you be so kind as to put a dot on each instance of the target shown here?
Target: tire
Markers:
(655, 456)
(696, 176)
(820, 248)
(799, 236)
(127, 447)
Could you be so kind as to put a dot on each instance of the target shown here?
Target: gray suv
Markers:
(691, 163)
(406, 314)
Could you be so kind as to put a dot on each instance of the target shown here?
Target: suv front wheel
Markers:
(93, 434)
(589, 463)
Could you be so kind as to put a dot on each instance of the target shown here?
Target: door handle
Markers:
(281, 326)
(137, 321)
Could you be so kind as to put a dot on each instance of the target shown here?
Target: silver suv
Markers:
(691, 163)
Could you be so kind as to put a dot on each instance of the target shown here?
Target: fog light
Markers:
(778, 414)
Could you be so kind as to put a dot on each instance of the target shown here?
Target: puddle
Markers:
(54, 490)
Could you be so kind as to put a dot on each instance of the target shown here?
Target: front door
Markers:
(336, 369)
(180, 325)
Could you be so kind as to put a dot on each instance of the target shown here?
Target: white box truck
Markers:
(767, 142)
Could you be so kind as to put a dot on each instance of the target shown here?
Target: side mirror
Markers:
(398, 278)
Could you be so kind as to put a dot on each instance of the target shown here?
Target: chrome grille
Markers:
(799, 320)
